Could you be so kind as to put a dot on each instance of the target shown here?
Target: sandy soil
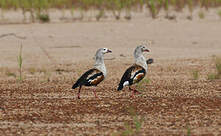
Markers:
(79, 41)
(55, 55)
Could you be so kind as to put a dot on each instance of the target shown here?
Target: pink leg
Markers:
(79, 92)
(132, 95)
(95, 93)
(133, 92)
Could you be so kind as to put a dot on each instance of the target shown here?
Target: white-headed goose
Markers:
(95, 75)
(137, 71)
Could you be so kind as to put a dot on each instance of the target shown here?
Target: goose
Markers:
(93, 76)
(137, 71)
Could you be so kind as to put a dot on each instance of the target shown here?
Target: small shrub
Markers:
(216, 75)
(218, 67)
(195, 74)
(188, 131)
(212, 76)
(44, 18)
(142, 83)
(32, 70)
(131, 129)
(219, 13)
(100, 15)
(10, 74)
(201, 15)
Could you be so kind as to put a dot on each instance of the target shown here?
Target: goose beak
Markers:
(146, 50)
(109, 51)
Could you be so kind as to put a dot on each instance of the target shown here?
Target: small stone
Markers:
(163, 104)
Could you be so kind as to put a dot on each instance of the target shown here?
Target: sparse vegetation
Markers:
(32, 70)
(201, 15)
(20, 61)
(10, 74)
(216, 75)
(218, 67)
(219, 13)
(40, 8)
(188, 131)
(140, 86)
(44, 18)
(155, 112)
(131, 128)
(195, 74)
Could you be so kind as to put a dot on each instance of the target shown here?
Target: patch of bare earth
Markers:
(170, 104)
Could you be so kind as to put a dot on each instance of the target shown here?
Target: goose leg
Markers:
(132, 95)
(79, 92)
(95, 93)
(133, 92)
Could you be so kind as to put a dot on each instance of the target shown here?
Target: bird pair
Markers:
(132, 75)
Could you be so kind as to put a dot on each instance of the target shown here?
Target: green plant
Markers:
(142, 83)
(219, 13)
(72, 12)
(201, 15)
(195, 74)
(153, 9)
(218, 66)
(3, 7)
(20, 61)
(38, 7)
(133, 128)
(100, 14)
(188, 131)
(10, 74)
(166, 7)
(32, 70)
(216, 75)
(211, 76)
(190, 6)
(44, 18)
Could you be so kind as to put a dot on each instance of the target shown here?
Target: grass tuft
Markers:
(216, 75)
(20, 61)
(131, 128)
(141, 85)
(219, 13)
(218, 66)
(195, 74)
(10, 74)
(201, 15)
(212, 76)
(188, 131)
(32, 71)
(44, 18)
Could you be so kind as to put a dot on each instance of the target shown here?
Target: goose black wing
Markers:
(132, 75)
(90, 78)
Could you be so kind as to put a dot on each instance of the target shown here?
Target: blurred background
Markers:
(26, 11)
